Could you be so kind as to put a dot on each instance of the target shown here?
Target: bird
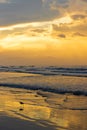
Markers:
(21, 102)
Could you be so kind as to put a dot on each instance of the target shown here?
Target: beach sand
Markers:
(26, 109)
(11, 123)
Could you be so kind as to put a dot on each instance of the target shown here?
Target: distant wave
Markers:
(47, 89)
(50, 70)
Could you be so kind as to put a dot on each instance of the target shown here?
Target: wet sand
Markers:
(26, 109)
(11, 123)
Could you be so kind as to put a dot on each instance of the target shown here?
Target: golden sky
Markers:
(43, 32)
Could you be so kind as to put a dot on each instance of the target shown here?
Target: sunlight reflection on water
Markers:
(61, 111)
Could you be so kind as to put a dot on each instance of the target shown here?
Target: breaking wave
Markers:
(46, 89)
(62, 80)
(50, 70)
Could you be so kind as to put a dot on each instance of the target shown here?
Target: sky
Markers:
(43, 32)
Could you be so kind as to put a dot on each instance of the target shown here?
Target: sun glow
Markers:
(63, 20)
(58, 40)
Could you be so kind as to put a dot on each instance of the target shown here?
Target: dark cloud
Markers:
(59, 5)
(61, 1)
(84, 0)
(62, 35)
(78, 16)
(21, 11)
(62, 28)
(38, 30)
(71, 30)
(55, 27)
(79, 34)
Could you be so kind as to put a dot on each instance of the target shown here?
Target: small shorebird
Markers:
(21, 102)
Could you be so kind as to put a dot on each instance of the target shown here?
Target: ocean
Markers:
(51, 79)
